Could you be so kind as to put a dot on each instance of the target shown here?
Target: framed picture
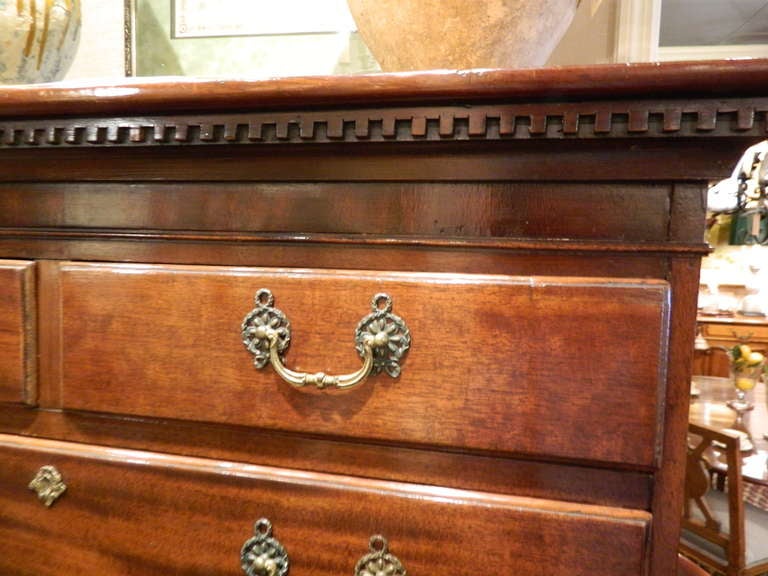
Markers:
(207, 18)
(243, 38)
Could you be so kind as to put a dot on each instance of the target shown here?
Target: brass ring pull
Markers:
(381, 340)
(263, 555)
(379, 560)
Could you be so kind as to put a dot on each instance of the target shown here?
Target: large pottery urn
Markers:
(38, 39)
(457, 34)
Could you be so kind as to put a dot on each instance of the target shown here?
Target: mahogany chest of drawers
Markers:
(446, 317)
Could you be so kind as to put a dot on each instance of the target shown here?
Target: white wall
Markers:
(101, 51)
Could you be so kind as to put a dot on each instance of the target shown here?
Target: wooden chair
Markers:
(719, 530)
(687, 568)
(713, 361)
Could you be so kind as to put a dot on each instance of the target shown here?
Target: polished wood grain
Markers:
(401, 209)
(596, 173)
(684, 220)
(686, 567)
(18, 369)
(669, 79)
(489, 473)
(714, 361)
(139, 512)
(491, 356)
(559, 161)
(392, 243)
(668, 483)
(49, 333)
(297, 253)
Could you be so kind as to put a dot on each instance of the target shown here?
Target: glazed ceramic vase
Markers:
(38, 39)
(458, 34)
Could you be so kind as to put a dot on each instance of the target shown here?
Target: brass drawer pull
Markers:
(381, 339)
(48, 485)
(379, 560)
(263, 555)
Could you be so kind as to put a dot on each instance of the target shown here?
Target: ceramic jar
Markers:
(38, 39)
(458, 34)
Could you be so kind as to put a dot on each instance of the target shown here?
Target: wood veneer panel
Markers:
(482, 209)
(116, 499)
(303, 254)
(670, 480)
(49, 334)
(519, 365)
(17, 332)
(621, 488)
(579, 160)
(689, 207)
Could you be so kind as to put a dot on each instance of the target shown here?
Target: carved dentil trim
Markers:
(447, 123)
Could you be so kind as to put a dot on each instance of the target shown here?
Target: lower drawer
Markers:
(130, 512)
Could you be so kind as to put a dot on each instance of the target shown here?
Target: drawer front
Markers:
(568, 368)
(736, 332)
(127, 512)
(17, 331)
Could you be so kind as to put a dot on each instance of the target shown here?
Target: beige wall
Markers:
(101, 55)
(590, 39)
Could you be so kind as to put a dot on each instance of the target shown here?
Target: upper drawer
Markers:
(139, 513)
(567, 368)
(17, 331)
(431, 209)
(736, 332)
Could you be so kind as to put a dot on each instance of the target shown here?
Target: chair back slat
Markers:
(704, 444)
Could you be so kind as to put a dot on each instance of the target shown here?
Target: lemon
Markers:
(744, 351)
(745, 383)
(755, 358)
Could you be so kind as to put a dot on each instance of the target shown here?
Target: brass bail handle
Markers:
(381, 339)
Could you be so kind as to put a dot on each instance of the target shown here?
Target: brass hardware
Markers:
(263, 555)
(48, 485)
(379, 560)
(381, 339)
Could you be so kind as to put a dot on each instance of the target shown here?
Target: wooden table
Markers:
(709, 408)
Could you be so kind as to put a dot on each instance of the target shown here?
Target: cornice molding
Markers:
(648, 118)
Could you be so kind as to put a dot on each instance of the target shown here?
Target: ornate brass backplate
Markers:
(263, 555)
(48, 485)
(381, 338)
(379, 561)
(391, 336)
